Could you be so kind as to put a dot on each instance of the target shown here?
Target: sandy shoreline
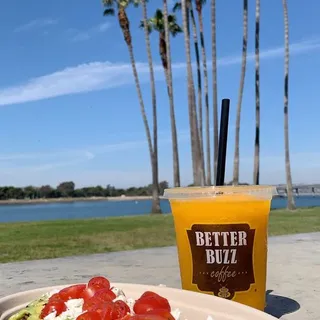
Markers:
(62, 200)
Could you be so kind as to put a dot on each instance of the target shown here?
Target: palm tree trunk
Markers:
(199, 87)
(242, 78)
(155, 167)
(125, 26)
(256, 166)
(168, 73)
(194, 132)
(206, 92)
(215, 90)
(290, 204)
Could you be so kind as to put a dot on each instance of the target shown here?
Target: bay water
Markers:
(99, 209)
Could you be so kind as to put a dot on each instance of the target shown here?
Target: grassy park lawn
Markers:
(52, 239)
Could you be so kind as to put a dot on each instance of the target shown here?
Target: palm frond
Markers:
(174, 30)
(176, 7)
(157, 21)
(203, 2)
(136, 3)
(149, 25)
(109, 12)
(172, 18)
(158, 14)
(108, 3)
(124, 3)
(141, 25)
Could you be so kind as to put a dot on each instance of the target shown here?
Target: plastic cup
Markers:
(222, 235)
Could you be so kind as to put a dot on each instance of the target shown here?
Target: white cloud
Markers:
(104, 75)
(83, 78)
(295, 48)
(35, 24)
(78, 36)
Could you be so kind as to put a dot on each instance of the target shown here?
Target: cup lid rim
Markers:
(265, 191)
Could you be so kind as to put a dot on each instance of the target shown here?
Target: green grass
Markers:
(51, 239)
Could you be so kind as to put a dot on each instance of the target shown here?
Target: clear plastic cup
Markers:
(222, 235)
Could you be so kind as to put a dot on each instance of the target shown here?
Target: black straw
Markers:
(223, 138)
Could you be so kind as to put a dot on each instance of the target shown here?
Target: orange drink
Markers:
(221, 235)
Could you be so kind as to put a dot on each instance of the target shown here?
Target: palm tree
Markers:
(170, 26)
(199, 87)
(155, 167)
(291, 204)
(111, 6)
(256, 166)
(242, 78)
(157, 23)
(197, 163)
(215, 89)
(189, 5)
(199, 5)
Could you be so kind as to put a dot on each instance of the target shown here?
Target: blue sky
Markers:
(69, 109)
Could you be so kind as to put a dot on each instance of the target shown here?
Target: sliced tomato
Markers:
(127, 317)
(161, 312)
(55, 297)
(148, 303)
(57, 306)
(72, 292)
(148, 294)
(104, 308)
(146, 317)
(101, 295)
(153, 301)
(162, 302)
(101, 282)
(89, 292)
(107, 311)
(89, 304)
(89, 315)
(141, 308)
(121, 309)
(105, 295)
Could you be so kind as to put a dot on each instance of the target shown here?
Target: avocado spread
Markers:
(32, 311)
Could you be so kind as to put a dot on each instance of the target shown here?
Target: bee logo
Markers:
(224, 293)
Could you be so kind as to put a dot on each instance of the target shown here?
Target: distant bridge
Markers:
(300, 190)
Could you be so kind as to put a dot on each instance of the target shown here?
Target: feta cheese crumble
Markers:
(74, 309)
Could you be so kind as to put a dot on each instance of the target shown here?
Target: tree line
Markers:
(67, 190)
(204, 148)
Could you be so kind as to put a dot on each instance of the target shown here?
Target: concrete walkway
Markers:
(293, 273)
